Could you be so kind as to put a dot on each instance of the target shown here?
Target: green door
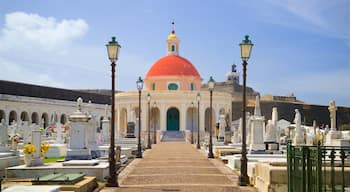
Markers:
(172, 117)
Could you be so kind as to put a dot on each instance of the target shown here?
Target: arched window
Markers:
(153, 86)
(192, 86)
(172, 48)
(173, 86)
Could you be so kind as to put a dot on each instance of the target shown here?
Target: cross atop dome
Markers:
(173, 42)
(173, 27)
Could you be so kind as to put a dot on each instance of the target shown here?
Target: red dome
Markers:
(172, 65)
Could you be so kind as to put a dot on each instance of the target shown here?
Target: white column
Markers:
(217, 112)
(118, 123)
(162, 116)
(201, 117)
(183, 117)
(128, 111)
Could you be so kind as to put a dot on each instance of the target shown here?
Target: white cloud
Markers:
(37, 49)
(329, 17)
(23, 31)
(12, 72)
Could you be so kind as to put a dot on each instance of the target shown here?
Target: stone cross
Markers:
(332, 114)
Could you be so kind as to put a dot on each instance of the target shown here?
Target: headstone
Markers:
(257, 129)
(299, 133)
(78, 148)
(36, 141)
(92, 138)
(130, 130)
(59, 133)
(3, 136)
(27, 133)
(271, 134)
(105, 126)
(236, 138)
(105, 130)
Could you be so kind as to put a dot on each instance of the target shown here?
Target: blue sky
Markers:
(301, 47)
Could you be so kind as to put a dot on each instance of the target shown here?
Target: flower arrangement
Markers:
(65, 127)
(16, 138)
(52, 128)
(45, 146)
(29, 149)
(41, 129)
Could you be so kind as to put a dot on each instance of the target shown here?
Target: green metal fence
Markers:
(318, 168)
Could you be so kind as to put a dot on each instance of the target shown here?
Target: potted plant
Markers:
(45, 146)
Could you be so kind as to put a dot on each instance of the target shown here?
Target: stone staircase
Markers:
(173, 136)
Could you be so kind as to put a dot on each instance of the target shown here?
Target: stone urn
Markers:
(28, 159)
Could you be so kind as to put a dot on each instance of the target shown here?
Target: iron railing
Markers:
(318, 168)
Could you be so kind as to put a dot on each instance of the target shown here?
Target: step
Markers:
(174, 170)
(176, 179)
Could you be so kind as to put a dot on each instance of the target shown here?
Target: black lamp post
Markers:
(113, 52)
(149, 121)
(246, 48)
(154, 125)
(192, 106)
(198, 98)
(211, 84)
(139, 84)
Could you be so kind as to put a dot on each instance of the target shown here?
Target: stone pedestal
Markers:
(257, 134)
(92, 138)
(78, 142)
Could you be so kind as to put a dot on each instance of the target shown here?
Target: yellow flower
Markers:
(45, 146)
(29, 148)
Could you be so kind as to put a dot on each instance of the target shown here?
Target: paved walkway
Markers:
(177, 166)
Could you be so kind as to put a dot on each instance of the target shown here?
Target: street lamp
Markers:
(246, 48)
(113, 51)
(211, 84)
(149, 121)
(198, 98)
(139, 84)
(192, 106)
(154, 124)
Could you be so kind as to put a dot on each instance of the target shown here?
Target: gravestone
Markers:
(59, 133)
(257, 128)
(92, 138)
(3, 136)
(36, 141)
(236, 138)
(130, 130)
(77, 147)
(105, 130)
(27, 133)
(105, 126)
(272, 134)
(299, 133)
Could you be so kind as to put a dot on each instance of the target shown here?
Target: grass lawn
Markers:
(52, 159)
